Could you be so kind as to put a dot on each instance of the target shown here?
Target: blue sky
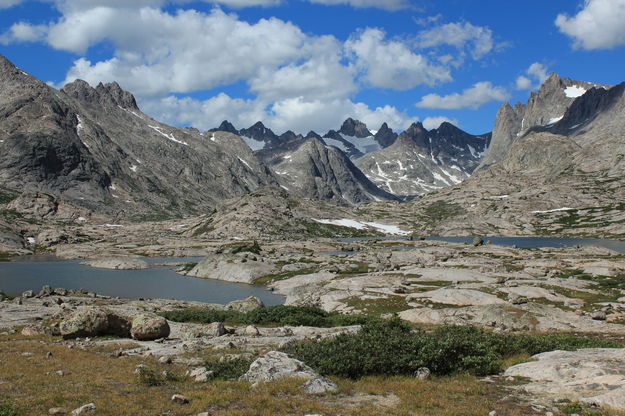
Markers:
(309, 64)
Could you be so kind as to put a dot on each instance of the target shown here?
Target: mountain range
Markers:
(550, 164)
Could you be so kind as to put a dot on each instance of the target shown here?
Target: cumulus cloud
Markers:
(599, 25)
(298, 114)
(23, 32)
(474, 97)
(380, 4)
(158, 53)
(476, 40)
(391, 64)
(537, 72)
(435, 122)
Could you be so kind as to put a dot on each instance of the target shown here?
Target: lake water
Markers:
(523, 242)
(155, 282)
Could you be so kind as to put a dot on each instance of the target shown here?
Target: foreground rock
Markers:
(594, 376)
(277, 365)
(94, 321)
(149, 326)
(118, 263)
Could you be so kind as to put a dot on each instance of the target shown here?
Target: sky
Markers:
(306, 65)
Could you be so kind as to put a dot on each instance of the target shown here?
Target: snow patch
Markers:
(554, 120)
(112, 225)
(574, 91)
(499, 197)
(133, 168)
(245, 163)
(82, 219)
(168, 136)
(363, 144)
(253, 143)
(335, 143)
(31, 240)
(554, 210)
(361, 225)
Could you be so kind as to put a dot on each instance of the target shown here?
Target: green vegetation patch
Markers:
(271, 315)
(227, 369)
(391, 348)
(391, 304)
(8, 410)
(5, 198)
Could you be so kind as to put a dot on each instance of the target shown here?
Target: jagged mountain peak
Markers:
(354, 128)
(312, 134)
(385, 135)
(110, 94)
(227, 127)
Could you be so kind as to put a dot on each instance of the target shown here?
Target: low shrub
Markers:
(271, 315)
(392, 348)
(8, 410)
(149, 378)
(228, 369)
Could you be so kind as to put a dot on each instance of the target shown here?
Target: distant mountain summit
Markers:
(420, 161)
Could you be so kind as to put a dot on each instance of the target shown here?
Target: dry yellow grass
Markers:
(28, 383)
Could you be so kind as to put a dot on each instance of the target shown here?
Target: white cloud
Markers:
(536, 71)
(320, 77)
(435, 122)
(158, 53)
(5, 4)
(23, 32)
(474, 97)
(391, 64)
(476, 40)
(381, 4)
(599, 25)
(297, 114)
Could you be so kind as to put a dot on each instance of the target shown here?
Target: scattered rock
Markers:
(422, 373)
(319, 385)
(83, 410)
(251, 331)
(477, 241)
(179, 399)
(200, 374)
(599, 315)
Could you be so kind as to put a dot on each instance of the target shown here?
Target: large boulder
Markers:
(147, 327)
(240, 268)
(93, 321)
(245, 305)
(276, 365)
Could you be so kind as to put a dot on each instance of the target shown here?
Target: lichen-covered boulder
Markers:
(93, 321)
(245, 305)
(147, 327)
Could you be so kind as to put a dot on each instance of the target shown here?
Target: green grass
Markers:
(5, 198)
(283, 275)
(6, 295)
(8, 410)
(316, 229)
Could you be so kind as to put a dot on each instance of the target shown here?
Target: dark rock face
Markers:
(385, 136)
(227, 127)
(95, 148)
(324, 172)
(420, 161)
(354, 128)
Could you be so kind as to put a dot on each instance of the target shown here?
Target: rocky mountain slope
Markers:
(420, 161)
(95, 148)
(544, 109)
(564, 177)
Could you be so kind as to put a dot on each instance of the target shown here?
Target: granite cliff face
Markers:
(544, 109)
(95, 148)
(420, 161)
